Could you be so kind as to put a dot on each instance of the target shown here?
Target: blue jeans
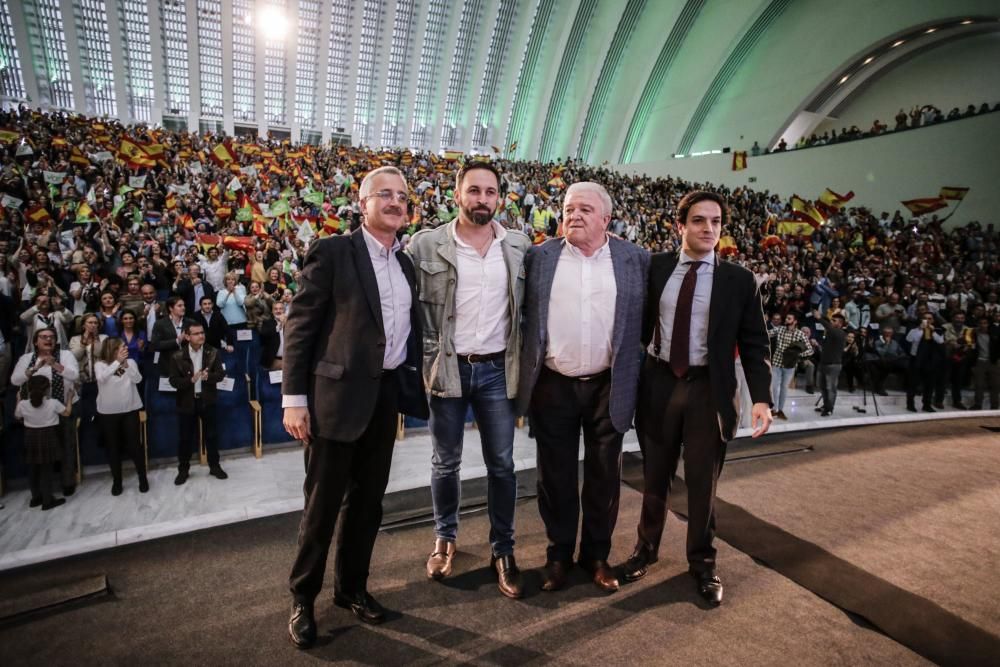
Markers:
(484, 387)
(780, 379)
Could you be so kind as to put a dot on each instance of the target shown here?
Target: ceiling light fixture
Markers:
(868, 60)
(897, 43)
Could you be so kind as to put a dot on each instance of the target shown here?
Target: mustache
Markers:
(393, 209)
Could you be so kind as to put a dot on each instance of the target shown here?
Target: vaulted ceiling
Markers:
(602, 80)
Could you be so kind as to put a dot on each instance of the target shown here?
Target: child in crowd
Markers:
(42, 447)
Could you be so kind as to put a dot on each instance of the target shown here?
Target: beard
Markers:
(480, 216)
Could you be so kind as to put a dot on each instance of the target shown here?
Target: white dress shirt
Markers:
(70, 374)
(582, 312)
(117, 394)
(395, 297)
(482, 316)
(698, 345)
(196, 360)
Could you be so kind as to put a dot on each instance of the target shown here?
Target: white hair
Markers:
(366, 183)
(597, 189)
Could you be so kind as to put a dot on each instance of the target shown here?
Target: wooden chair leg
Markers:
(79, 466)
(400, 430)
(202, 452)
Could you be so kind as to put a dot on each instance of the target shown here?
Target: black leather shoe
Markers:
(35, 502)
(182, 476)
(55, 503)
(116, 488)
(302, 625)
(554, 574)
(602, 574)
(69, 490)
(218, 473)
(709, 587)
(362, 605)
(637, 564)
(143, 485)
(508, 576)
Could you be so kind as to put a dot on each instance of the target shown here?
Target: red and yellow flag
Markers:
(222, 154)
(953, 193)
(739, 160)
(806, 212)
(925, 205)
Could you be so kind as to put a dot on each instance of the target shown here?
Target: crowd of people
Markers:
(124, 244)
(918, 116)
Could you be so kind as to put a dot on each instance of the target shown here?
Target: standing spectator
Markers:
(214, 266)
(118, 406)
(789, 345)
(60, 368)
(888, 357)
(110, 309)
(960, 351)
(258, 305)
(926, 353)
(217, 333)
(195, 370)
(150, 311)
(231, 299)
(986, 371)
(853, 370)
(47, 313)
(86, 347)
(857, 311)
(831, 359)
(272, 339)
(168, 332)
(42, 447)
(133, 337)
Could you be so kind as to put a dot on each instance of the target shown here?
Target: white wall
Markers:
(954, 74)
(881, 171)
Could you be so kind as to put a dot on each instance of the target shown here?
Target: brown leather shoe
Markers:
(554, 575)
(439, 562)
(508, 576)
(602, 573)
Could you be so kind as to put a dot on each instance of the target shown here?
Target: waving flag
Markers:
(953, 193)
(925, 205)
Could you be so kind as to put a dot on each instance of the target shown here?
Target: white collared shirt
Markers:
(482, 315)
(582, 312)
(395, 297)
(196, 360)
(698, 345)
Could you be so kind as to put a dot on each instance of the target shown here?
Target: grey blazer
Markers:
(631, 265)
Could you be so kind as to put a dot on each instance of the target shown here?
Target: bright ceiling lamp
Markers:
(273, 22)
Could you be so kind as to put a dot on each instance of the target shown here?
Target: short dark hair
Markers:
(840, 316)
(472, 165)
(695, 196)
(204, 298)
(172, 301)
(191, 324)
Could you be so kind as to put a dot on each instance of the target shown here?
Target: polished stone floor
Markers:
(93, 519)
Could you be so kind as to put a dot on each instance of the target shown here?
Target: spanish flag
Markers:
(833, 200)
(186, 221)
(727, 246)
(739, 160)
(38, 213)
(222, 154)
(953, 193)
(795, 228)
(925, 205)
(806, 212)
(453, 156)
(9, 136)
(171, 201)
(59, 142)
(76, 156)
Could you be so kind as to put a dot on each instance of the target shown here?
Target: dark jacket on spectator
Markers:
(217, 332)
(182, 370)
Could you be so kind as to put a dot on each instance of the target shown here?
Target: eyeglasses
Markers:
(386, 195)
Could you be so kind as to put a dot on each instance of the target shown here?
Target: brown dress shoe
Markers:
(508, 576)
(554, 574)
(439, 562)
(602, 573)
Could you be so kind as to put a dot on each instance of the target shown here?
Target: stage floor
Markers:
(92, 519)
(913, 507)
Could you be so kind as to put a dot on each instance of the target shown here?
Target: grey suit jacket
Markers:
(631, 266)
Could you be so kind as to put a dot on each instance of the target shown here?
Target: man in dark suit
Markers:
(699, 312)
(168, 333)
(195, 369)
(193, 288)
(584, 301)
(272, 338)
(217, 332)
(351, 358)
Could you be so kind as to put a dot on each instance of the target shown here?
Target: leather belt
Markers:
(590, 378)
(693, 372)
(482, 358)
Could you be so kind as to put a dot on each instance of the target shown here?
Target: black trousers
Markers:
(187, 431)
(560, 406)
(40, 482)
(922, 375)
(120, 433)
(673, 413)
(345, 479)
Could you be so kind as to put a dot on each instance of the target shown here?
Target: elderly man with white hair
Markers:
(580, 365)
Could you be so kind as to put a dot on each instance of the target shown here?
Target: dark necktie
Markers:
(680, 337)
